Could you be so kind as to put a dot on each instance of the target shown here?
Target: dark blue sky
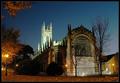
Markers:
(62, 13)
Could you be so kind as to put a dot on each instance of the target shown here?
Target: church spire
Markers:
(50, 25)
(43, 25)
(69, 28)
(38, 47)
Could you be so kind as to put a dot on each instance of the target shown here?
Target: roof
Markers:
(108, 57)
(81, 27)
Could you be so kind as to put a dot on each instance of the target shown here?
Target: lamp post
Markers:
(6, 64)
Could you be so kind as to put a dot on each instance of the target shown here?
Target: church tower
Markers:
(46, 35)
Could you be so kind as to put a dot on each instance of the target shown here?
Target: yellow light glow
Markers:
(6, 55)
(113, 64)
(66, 65)
(16, 65)
(2, 69)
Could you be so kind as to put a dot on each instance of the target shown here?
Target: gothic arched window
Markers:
(82, 46)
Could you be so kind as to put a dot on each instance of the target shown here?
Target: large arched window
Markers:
(81, 46)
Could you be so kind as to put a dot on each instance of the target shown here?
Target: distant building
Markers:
(111, 64)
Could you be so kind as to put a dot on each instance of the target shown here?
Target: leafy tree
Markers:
(23, 54)
(13, 7)
(9, 43)
(26, 50)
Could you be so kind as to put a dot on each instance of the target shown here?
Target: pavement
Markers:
(26, 78)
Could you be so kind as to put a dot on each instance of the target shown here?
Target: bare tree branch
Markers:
(100, 30)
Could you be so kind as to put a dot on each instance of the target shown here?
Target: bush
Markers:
(36, 68)
(54, 69)
(23, 67)
(27, 67)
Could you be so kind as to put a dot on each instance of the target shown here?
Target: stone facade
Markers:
(111, 64)
(46, 36)
(76, 53)
(81, 56)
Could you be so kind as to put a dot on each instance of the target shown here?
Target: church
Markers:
(76, 52)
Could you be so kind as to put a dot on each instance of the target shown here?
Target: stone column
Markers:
(69, 58)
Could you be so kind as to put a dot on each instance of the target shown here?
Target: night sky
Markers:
(62, 13)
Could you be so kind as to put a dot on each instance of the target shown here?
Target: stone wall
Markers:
(85, 66)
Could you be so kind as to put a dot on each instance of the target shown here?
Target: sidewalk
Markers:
(26, 78)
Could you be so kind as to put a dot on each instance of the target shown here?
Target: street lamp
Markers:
(16, 65)
(6, 55)
(66, 69)
(2, 69)
(66, 65)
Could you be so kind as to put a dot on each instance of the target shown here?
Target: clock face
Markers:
(81, 46)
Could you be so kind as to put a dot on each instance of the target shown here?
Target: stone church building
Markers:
(76, 52)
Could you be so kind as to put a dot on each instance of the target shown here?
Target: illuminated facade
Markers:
(76, 50)
(76, 53)
(111, 64)
(81, 56)
(46, 36)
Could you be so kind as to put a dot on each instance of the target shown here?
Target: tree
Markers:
(26, 64)
(100, 28)
(13, 7)
(25, 51)
(23, 54)
(10, 43)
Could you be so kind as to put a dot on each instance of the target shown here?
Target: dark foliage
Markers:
(23, 67)
(28, 67)
(54, 69)
(23, 54)
(36, 67)
(28, 49)
(25, 51)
